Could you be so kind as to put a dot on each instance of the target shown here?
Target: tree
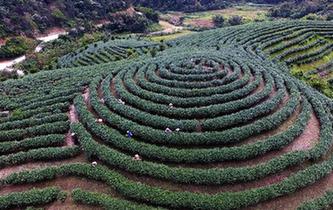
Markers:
(15, 47)
(235, 20)
(153, 52)
(149, 13)
(218, 20)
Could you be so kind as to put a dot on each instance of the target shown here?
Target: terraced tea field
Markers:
(103, 52)
(215, 121)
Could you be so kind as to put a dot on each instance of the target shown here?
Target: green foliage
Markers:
(108, 51)
(48, 58)
(31, 197)
(27, 17)
(228, 106)
(235, 20)
(312, 16)
(149, 13)
(97, 199)
(58, 15)
(15, 47)
(186, 6)
(17, 113)
(218, 20)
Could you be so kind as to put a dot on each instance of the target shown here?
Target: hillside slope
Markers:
(33, 17)
(300, 8)
(215, 121)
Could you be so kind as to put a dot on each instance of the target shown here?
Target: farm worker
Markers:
(177, 129)
(94, 164)
(168, 130)
(102, 100)
(137, 157)
(129, 134)
(121, 101)
(4, 114)
(99, 120)
(301, 99)
(73, 134)
(170, 105)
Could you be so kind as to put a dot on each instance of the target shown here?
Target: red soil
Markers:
(100, 91)
(73, 118)
(69, 139)
(260, 87)
(72, 114)
(86, 95)
(230, 71)
(113, 88)
(2, 42)
(199, 126)
(70, 205)
(309, 137)
(101, 23)
(202, 23)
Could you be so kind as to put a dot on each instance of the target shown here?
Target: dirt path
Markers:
(8, 63)
(113, 88)
(70, 205)
(73, 118)
(199, 125)
(51, 34)
(168, 28)
(2, 42)
(309, 137)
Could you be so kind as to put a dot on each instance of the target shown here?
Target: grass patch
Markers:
(249, 13)
(170, 36)
(155, 27)
(313, 65)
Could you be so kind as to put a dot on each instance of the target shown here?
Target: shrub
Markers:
(235, 20)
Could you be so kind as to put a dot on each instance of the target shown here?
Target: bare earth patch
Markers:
(72, 115)
(309, 137)
(202, 23)
(73, 118)
(86, 95)
(2, 42)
